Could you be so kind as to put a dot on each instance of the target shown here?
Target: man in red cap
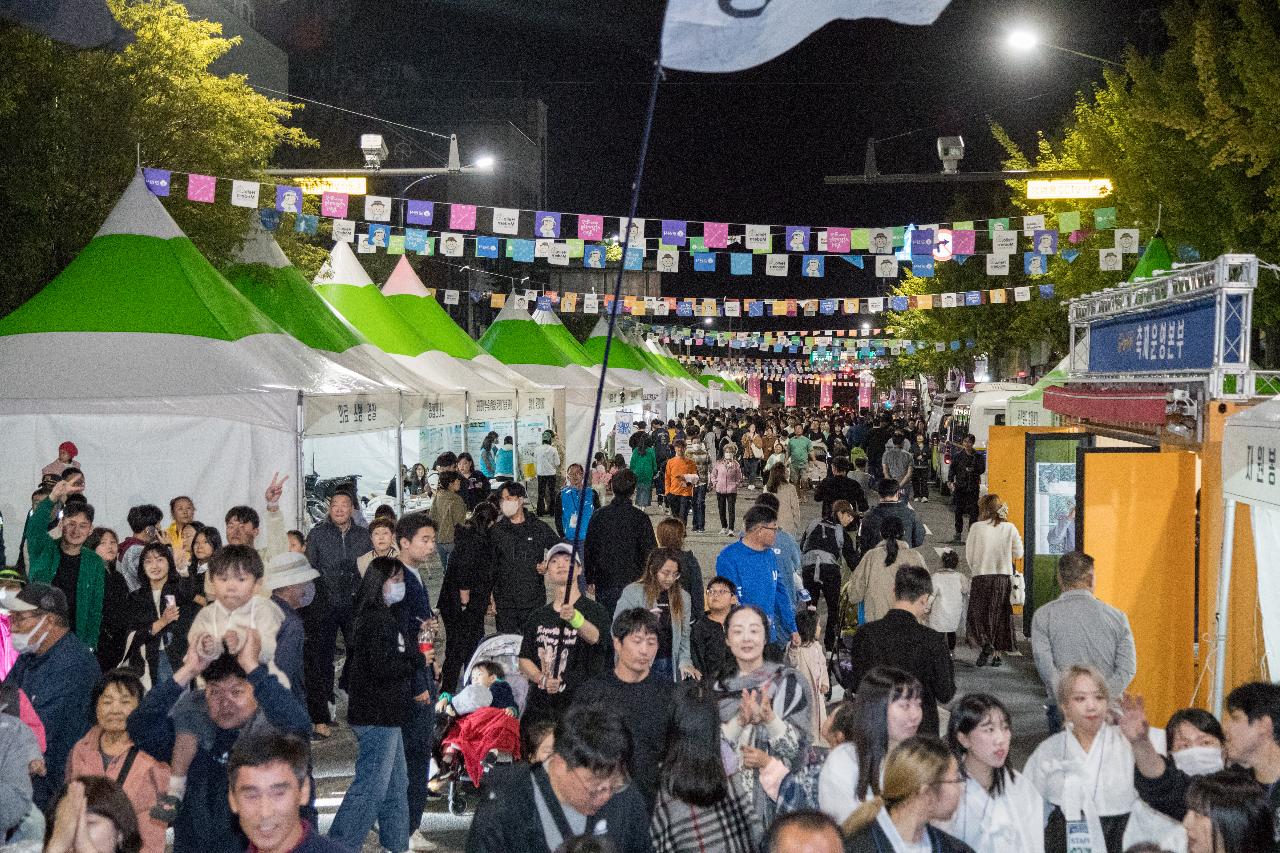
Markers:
(66, 459)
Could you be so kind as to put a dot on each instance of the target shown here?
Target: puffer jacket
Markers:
(696, 452)
(726, 476)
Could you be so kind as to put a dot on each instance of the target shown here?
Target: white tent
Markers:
(166, 378)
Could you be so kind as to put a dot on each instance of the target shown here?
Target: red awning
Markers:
(1136, 405)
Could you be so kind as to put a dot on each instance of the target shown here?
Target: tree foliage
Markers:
(70, 122)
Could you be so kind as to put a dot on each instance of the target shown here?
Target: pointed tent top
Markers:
(341, 267)
(511, 312)
(600, 329)
(1155, 257)
(139, 212)
(259, 247)
(404, 281)
(546, 318)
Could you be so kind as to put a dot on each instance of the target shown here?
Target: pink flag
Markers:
(462, 217)
(201, 187)
(590, 227)
(789, 390)
(715, 235)
(838, 240)
(334, 205)
(962, 242)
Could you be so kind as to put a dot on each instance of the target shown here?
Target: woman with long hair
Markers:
(160, 615)
(465, 591)
(670, 533)
(658, 590)
(999, 809)
(700, 808)
(381, 667)
(1085, 773)
(1228, 813)
(489, 455)
(416, 482)
(777, 456)
(872, 580)
(114, 633)
(885, 711)
(780, 486)
(922, 785)
(991, 547)
(764, 707)
(206, 541)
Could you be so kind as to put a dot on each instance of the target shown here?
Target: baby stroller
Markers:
(840, 660)
(505, 650)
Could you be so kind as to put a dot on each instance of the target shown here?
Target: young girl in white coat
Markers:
(999, 810)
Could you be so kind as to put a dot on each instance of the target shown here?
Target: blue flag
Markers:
(704, 262)
(486, 247)
(740, 263)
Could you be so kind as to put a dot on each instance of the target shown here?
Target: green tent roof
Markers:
(266, 278)
(514, 338)
(621, 353)
(411, 301)
(140, 274)
(562, 338)
(347, 287)
(1155, 257)
(1052, 379)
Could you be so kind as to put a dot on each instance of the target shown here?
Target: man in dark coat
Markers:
(900, 640)
(619, 540)
(891, 505)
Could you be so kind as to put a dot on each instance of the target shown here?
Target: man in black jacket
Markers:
(900, 640)
(839, 486)
(891, 504)
(582, 789)
(619, 540)
(519, 540)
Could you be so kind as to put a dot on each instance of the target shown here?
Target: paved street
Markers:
(1015, 683)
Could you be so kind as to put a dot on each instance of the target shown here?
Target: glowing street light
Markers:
(1025, 40)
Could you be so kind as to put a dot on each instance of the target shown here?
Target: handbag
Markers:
(1017, 590)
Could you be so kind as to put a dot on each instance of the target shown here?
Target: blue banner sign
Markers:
(1177, 337)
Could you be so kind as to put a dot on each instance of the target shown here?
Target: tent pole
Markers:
(399, 453)
(1223, 604)
(299, 482)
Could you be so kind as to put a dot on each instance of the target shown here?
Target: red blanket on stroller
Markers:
(480, 731)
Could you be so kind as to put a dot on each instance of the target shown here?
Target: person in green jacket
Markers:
(644, 464)
(65, 563)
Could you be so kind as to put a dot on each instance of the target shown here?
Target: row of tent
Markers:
(172, 378)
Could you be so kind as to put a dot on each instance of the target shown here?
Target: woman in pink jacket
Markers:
(107, 750)
(726, 477)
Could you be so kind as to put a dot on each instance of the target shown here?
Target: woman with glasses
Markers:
(999, 809)
(659, 591)
(922, 785)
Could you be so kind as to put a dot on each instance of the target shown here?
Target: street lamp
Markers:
(1024, 40)
(375, 151)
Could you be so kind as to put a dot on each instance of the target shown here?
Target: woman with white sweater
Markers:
(992, 546)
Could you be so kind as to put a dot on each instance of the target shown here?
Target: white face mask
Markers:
(308, 594)
(394, 593)
(28, 641)
(510, 508)
(1199, 760)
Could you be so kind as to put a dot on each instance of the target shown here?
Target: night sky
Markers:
(747, 147)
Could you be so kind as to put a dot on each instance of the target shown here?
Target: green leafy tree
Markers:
(70, 123)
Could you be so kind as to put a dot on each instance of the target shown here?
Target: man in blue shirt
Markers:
(56, 671)
(567, 512)
(752, 565)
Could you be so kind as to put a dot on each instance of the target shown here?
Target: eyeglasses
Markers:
(768, 527)
(597, 789)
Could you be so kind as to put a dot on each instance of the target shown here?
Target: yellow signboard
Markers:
(318, 186)
(1069, 188)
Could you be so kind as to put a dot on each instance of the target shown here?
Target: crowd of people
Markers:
(798, 695)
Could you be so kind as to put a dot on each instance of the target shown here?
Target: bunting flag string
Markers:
(457, 230)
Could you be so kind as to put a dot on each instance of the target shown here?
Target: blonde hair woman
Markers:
(992, 546)
(922, 785)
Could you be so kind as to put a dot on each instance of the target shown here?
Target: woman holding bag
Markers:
(992, 546)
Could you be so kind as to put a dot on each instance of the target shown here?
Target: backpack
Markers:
(824, 536)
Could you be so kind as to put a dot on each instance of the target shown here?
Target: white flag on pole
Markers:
(732, 35)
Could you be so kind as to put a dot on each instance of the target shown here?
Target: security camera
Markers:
(951, 152)
(375, 150)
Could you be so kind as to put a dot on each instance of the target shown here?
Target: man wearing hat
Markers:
(562, 645)
(67, 452)
(11, 583)
(292, 584)
(56, 671)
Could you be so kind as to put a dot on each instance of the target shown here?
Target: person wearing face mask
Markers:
(519, 539)
(999, 809)
(383, 664)
(291, 582)
(992, 546)
(56, 671)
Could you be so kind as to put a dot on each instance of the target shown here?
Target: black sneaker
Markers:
(983, 659)
(996, 661)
